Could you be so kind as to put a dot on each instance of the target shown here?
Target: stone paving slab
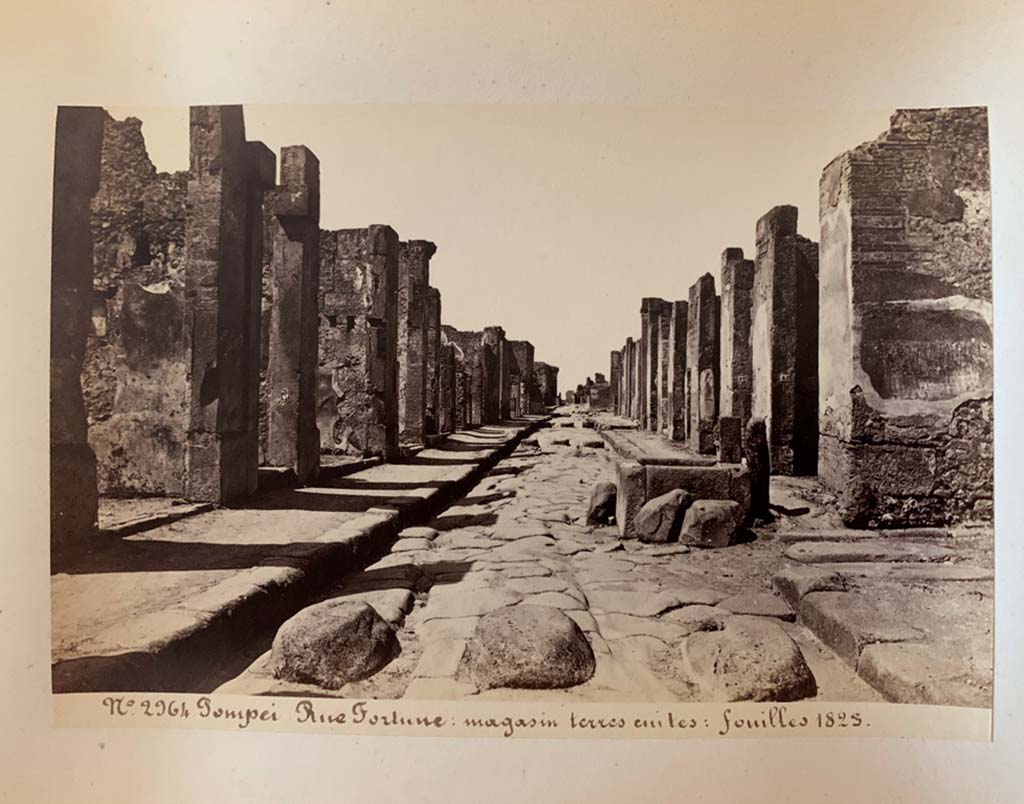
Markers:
(153, 610)
(124, 516)
(868, 550)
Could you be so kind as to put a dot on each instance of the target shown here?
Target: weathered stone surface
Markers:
(926, 674)
(737, 279)
(615, 380)
(750, 659)
(529, 647)
(848, 621)
(730, 439)
(640, 604)
(761, 604)
(759, 466)
(432, 362)
(906, 335)
(289, 389)
(418, 533)
(445, 604)
(413, 289)
(784, 341)
(356, 406)
(702, 365)
(602, 504)
(546, 378)
(711, 523)
(76, 179)
(676, 418)
(658, 520)
(333, 643)
(875, 550)
(630, 494)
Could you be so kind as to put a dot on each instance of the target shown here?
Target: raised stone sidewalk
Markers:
(173, 595)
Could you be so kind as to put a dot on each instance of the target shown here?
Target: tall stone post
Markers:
(446, 388)
(664, 361)
(650, 359)
(737, 362)
(262, 165)
(293, 440)
(905, 348)
(217, 319)
(357, 400)
(677, 371)
(522, 355)
(615, 378)
(413, 282)
(499, 374)
(637, 379)
(784, 347)
(433, 361)
(702, 356)
(76, 178)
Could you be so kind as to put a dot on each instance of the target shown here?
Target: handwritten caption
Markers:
(384, 716)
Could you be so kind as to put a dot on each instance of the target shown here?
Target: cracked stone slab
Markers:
(925, 674)
(529, 586)
(867, 550)
(411, 545)
(618, 626)
(760, 604)
(556, 600)
(641, 604)
(849, 621)
(697, 618)
(441, 605)
(440, 658)
(418, 533)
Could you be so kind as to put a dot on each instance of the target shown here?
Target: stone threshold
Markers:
(174, 649)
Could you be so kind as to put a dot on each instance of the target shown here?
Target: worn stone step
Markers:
(851, 535)
(867, 550)
(796, 581)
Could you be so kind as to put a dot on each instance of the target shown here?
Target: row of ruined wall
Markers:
(868, 355)
(205, 326)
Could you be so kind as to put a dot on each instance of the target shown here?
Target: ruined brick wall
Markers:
(413, 284)
(357, 403)
(906, 323)
(546, 378)
(135, 377)
(737, 371)
(77, 167)
(784, 322)
(702, 365)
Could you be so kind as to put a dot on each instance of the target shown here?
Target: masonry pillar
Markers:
(498, 374)
(217, 325)
(737, 367)
(433, 361)
(664, 360)
(784, 348)
(76, 178)
(702, 356)
(262, 165)
(413, 284)
(291, 385)
(636, 378)
(650, 359)
(357, 400)
(446, 388)
(905, 349)
(615, 378)
(522, 355)
(677, 371)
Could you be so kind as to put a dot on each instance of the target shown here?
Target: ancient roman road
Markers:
(520, 539)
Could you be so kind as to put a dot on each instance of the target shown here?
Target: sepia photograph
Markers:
(310, 438)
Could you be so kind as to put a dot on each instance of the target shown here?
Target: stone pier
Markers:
(523, 353)
(446, 388)
(615, 378)
(413, 284)
(290, 388)
(546, 378)
(737, 376)
(676, 422)
(499, 374)
(219, 268)
(784, 342)
(357, 400)
(650, 362)
(76, 180)
(665, 349)
(702, 365)
(433, 360)
(635, 377)
(906, 323)
(470, 346)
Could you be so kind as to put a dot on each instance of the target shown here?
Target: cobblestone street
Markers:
(519, 538)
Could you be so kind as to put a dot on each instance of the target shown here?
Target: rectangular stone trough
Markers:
(647, 466)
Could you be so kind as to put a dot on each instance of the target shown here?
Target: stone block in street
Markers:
(332, 643)
(711, 523)
(529, 647)
(659, 519)
(602, 504)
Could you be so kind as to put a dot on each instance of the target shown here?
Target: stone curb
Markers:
(189, 641)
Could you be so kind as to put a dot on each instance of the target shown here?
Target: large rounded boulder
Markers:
(333, 643)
